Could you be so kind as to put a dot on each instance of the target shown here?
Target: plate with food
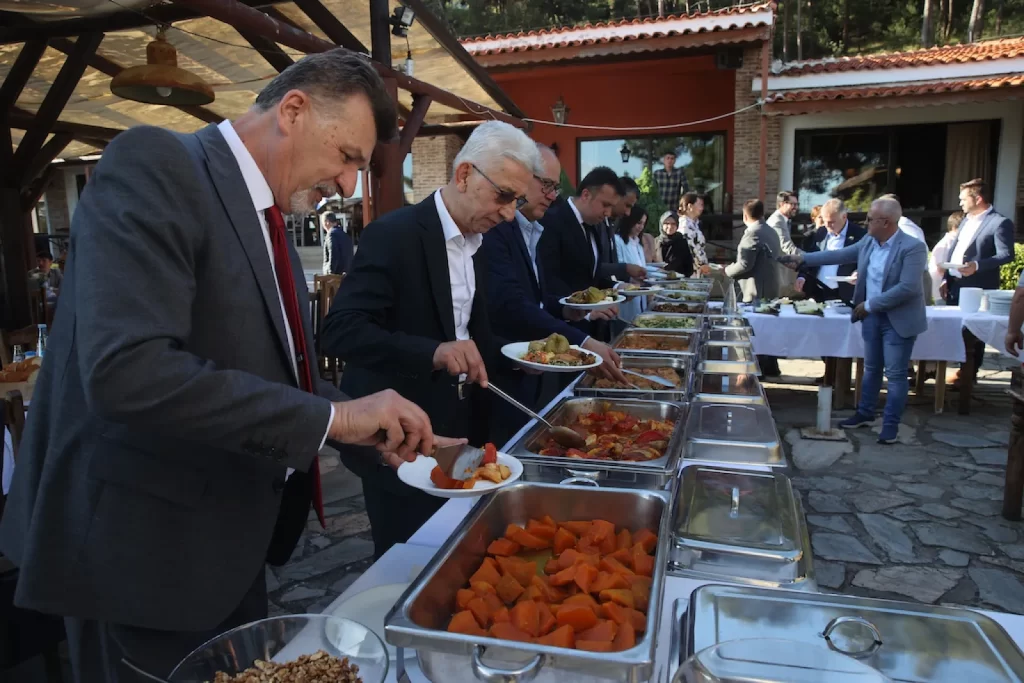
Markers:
(592, 299)
(767, 308)
(554, 354)
(809, 307)
(461, 471)
(637, 290)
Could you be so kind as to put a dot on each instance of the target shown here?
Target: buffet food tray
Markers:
(681, 364)
(654, 474)
(691, 342)
(417, 621)
(696, 326)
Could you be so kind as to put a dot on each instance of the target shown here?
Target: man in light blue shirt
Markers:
(890, 304)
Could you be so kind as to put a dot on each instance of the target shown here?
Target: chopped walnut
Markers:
(319, 667)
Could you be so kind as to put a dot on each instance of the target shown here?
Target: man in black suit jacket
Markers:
(520, 307)
(412, 313)
(837, 233)
(337, 247)
(170, 448)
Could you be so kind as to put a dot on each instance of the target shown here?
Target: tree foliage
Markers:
(650, 200)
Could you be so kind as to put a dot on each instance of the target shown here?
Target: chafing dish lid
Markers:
(710, 383)
(724, 507)
(731, 335)
(905, 641)
(720, 321)
(731, 422)
(741, 353)
(770, 660)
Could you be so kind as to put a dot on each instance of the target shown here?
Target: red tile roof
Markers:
(738, 17)
(919, 88)
(987, 50)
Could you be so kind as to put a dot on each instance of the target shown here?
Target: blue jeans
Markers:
(884, 349)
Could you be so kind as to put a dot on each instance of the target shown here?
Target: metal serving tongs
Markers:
(563, 435)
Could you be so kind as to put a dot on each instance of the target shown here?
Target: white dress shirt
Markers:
(913, 229)
(532, 230)
(968, 231)
(832, 243)
(262, 199)
(586, 233)
(460, 267)
(876, 271)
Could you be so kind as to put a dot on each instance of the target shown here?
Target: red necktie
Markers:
(290, 298)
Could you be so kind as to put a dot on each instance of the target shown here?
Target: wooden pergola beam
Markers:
(434, 129)
(53, 104)
(31, 195)
(111, 68)
(21, 119)
(436, 28)
(330, 25)
(270, 50)
(50, 151)
(246, 18)
(163, 14)
(411, 129)
(10, 90)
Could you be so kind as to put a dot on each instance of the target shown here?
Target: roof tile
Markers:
(1005, 48)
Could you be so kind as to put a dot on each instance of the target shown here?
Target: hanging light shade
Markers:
(160, 81)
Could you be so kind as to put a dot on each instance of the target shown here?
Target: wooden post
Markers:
(15, 263)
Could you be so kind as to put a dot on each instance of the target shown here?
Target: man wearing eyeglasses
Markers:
(521, 307)
(412, 313)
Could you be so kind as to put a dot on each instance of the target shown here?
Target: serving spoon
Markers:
(562, 435)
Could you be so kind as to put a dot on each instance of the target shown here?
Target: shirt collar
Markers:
(981, 216)
(451, 230)
(526, 224)
(842, 233)
(259, 190)
(575, 211)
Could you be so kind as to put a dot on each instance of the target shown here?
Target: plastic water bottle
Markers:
(18, 354)
(41, 340)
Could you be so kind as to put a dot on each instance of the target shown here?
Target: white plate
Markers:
(840, 278)
(417, 475)
(657, 264)
(946, 265)
(369, 609)
(641, 292)
(516, 350)
(592, 307)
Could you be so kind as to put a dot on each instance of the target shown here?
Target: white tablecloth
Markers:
(990, 329)
(791, 335)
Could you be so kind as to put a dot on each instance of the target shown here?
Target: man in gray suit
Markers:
(171, 445)
(786, 207)
(889, 301)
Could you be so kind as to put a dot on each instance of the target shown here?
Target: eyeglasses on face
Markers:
(503, 195)
(548, 186)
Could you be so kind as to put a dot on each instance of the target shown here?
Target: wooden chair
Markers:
(28, 634)
(325, 288)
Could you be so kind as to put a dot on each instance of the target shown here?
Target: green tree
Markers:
(650, 200)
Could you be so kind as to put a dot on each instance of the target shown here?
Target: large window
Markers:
(701, 155)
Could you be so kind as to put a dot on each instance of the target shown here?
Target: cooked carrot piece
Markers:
(625, 557)
(562, 636)
(464, 622)
(564, 577)
(587, 547)
(541, 530)
(488, 573)
(594, 645)
(639, 620)
(567, 558)
(509, 589)
(548, 521)
(563, 540)
(551, 594)
(625, 638)
(481, 612)
(600, 530)
(605, 629)
(516, 533)
(610, 564)
(580, 617)
(615, 612)
(572, 589)
(644, 565)
(504, 547)
(505, 630)
(547, 619)
(482, 588)
(585, 575)
(582, 599)
(526, 617)
(520, 570)
(647, 538)
(532, 594)
(501, 615)
(620, 596)
(623, 541)
(607, 544)
(463, 597)
(608, 580)
(551, 566)
(641, 589)
(577, 528)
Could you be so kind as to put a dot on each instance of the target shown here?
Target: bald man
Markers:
(889, 303)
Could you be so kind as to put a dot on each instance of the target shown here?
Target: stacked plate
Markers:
(999, 301)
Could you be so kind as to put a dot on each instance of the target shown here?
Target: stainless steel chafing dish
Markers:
(729, 321)
(907, 642)
(642, 321)
(740, 525)
(641, 364)
(710, 387)
(722, 337)
(654, 474)
(688, 285)
(419, 618)
(689, 337)
(734, 434)
(697, 307)
(681, 295)
(728, 359)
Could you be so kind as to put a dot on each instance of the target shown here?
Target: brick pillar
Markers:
(747, 141)
(432, 159)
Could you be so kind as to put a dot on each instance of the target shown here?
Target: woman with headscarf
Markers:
(691, 206)
(629, 250)
(672, 247)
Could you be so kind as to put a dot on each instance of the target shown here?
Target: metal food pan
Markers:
(418, 620)
(729, 359)
(692, 307)
(698, 322)
(681, 364)
(681, 295)
(691, 343)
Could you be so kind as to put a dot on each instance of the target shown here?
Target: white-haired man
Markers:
(889, 301)
(411, 315)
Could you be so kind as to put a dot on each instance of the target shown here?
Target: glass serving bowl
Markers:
(282, 639)
(767, 660)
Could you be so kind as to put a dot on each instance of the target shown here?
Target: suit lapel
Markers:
(437, 265)
(972, 249)
(581, 235)
(234, 195)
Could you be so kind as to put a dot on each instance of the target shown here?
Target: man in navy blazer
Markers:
(521, 306)
(889, 301)
(984, 242)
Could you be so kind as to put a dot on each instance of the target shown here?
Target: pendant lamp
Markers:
(160, 81)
